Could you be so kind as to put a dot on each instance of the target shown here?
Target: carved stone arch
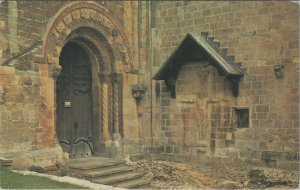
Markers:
(103, 52)
(85, 14)
(93, 28)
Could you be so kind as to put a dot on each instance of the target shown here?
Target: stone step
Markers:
(133, 183)
(110, 180)
(106, 171)
(5, 162)
(95, 165)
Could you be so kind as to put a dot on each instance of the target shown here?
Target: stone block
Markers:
(227, 161)
(229, 143)
(241, 143)
(262, 108)
(6, 70)
(9, 80)
(267, 155)
(165, 116)
(29, 114)
(248, 153)
(265, 145)
(291, 156)
(216, 159)
(237, 161)
(257, 85)
(278, 146)
(159, 149)
(221, 135)
(220, 151)
(26, 146)
(242, 135)
(6, 124)
(220, 143)
(169, 149)
(172, 140)
(233, 153)
(284, 165)
(293, 138)
(165, 102)
(16, 114)
(291, 147)
(186, 150)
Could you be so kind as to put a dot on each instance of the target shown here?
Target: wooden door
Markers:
(74, 102)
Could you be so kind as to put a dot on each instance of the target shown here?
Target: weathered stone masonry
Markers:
(260, 35)
(128, 42)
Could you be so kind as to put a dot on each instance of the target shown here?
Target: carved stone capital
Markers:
(54, 71)
(104, 77)
(116, 77)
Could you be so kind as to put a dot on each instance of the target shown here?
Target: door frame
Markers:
(72, 142)
(108, 47)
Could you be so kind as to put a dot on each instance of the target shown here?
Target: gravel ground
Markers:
(171, 175)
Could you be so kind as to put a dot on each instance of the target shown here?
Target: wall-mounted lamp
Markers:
(278, 70)
(138, 91)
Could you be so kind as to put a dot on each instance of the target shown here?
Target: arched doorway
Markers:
(92, 30)
(74, 102)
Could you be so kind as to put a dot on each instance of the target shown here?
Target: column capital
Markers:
(116, 77)
(104, 77)
(54, 71)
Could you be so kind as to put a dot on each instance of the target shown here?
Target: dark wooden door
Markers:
(74, 102)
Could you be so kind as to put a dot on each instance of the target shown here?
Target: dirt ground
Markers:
(171, 175)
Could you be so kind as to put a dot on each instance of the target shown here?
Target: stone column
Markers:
(104, 107)
(115, 84)
(116, 107)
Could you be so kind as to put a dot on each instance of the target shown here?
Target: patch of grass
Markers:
(11, 180)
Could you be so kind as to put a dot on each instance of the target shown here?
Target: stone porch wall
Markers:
(260, 35)
(27, 92)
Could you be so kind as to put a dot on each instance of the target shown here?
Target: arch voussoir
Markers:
(76, 15)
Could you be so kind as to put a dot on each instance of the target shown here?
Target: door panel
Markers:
(74, 102)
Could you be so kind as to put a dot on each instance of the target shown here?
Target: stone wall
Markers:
(27, 85)
(25, 111)
(261, 35)
(200, 123)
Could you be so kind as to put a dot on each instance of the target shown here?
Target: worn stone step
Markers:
(95, 165)
(117, 178)
(5, 162)
(133, 183)
(107, 171)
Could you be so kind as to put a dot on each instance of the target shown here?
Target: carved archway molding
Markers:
(76, 15)
(92, 27)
